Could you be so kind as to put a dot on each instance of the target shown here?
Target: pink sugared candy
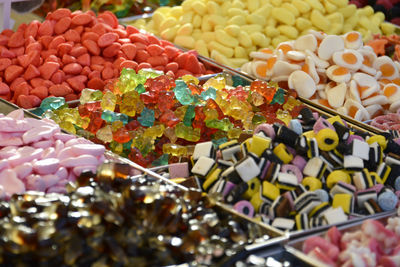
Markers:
(36, 155)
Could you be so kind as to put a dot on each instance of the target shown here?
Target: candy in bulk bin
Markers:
(337, 71)
(72, 51)
(313, 172)
(36, 155)
(228, 31)
(121, 9)
(373, 243)
(113, 219)
(391, 8)
(149, 115)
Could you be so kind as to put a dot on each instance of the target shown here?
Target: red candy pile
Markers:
(72, 51)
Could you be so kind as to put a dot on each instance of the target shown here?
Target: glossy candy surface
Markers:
(149, 114)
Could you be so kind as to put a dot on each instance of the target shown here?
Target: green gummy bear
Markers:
(210, 93)
(147, 117)
(279, 97)
(183, 93)
(52, 103)
(189, 115)
(224, 124)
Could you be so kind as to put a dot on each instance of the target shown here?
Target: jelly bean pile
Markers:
(72, 51)
(35, 155)
(117, 222)
(146, 115)
(315, 172)
(375, 243)
(336, 71)
(228, 31)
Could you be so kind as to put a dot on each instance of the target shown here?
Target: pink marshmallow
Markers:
(22, 158)
(7, 152)
(12, 141)
(17, 114)
(58, 146)
(46, 166)
(79, 169)
(92, 149)
(11, 183)
(36, 134)
(43, 144)
(62, 173)
(77, 141)
(85, 160)
(4, 164)
(35, 182)
(49, 153)
(65, 153)
(63, 137)
(23, 170)
(50, 180)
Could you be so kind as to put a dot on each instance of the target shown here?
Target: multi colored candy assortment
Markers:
(391, 8)
(148, 115)
(374, 244)
(228, 31)
(335, 71)
(112, 221)
(35, 155)
(316, 171)
(72, 51)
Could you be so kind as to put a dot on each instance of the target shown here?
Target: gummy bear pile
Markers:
(336, 71)
(374, 243)
(113, 220)
(68, 52)
(149, 117)
(36, 155)
(316, 171)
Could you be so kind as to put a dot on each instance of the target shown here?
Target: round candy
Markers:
(336, 176)
(254, 186)
(327, 139)
(299, 162)
(387, 201)
(380, 139)
(282, 153)
(293, 169)
(322, 194)
(312, 183)
(245, 208)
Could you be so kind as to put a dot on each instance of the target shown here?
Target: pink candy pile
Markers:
(389, 121)
(36, 155)
(372, 245)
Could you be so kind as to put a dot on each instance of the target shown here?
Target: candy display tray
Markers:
(296, 242)
(269, 236)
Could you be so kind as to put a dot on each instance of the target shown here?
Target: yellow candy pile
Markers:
(228, 30)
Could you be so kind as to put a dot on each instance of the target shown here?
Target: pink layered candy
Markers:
(36, 155)
(374, 244)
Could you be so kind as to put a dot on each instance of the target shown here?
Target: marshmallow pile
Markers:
(36, 155)
(336, 71)
(374, 244)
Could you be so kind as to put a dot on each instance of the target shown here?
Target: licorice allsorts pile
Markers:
(317, 171)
